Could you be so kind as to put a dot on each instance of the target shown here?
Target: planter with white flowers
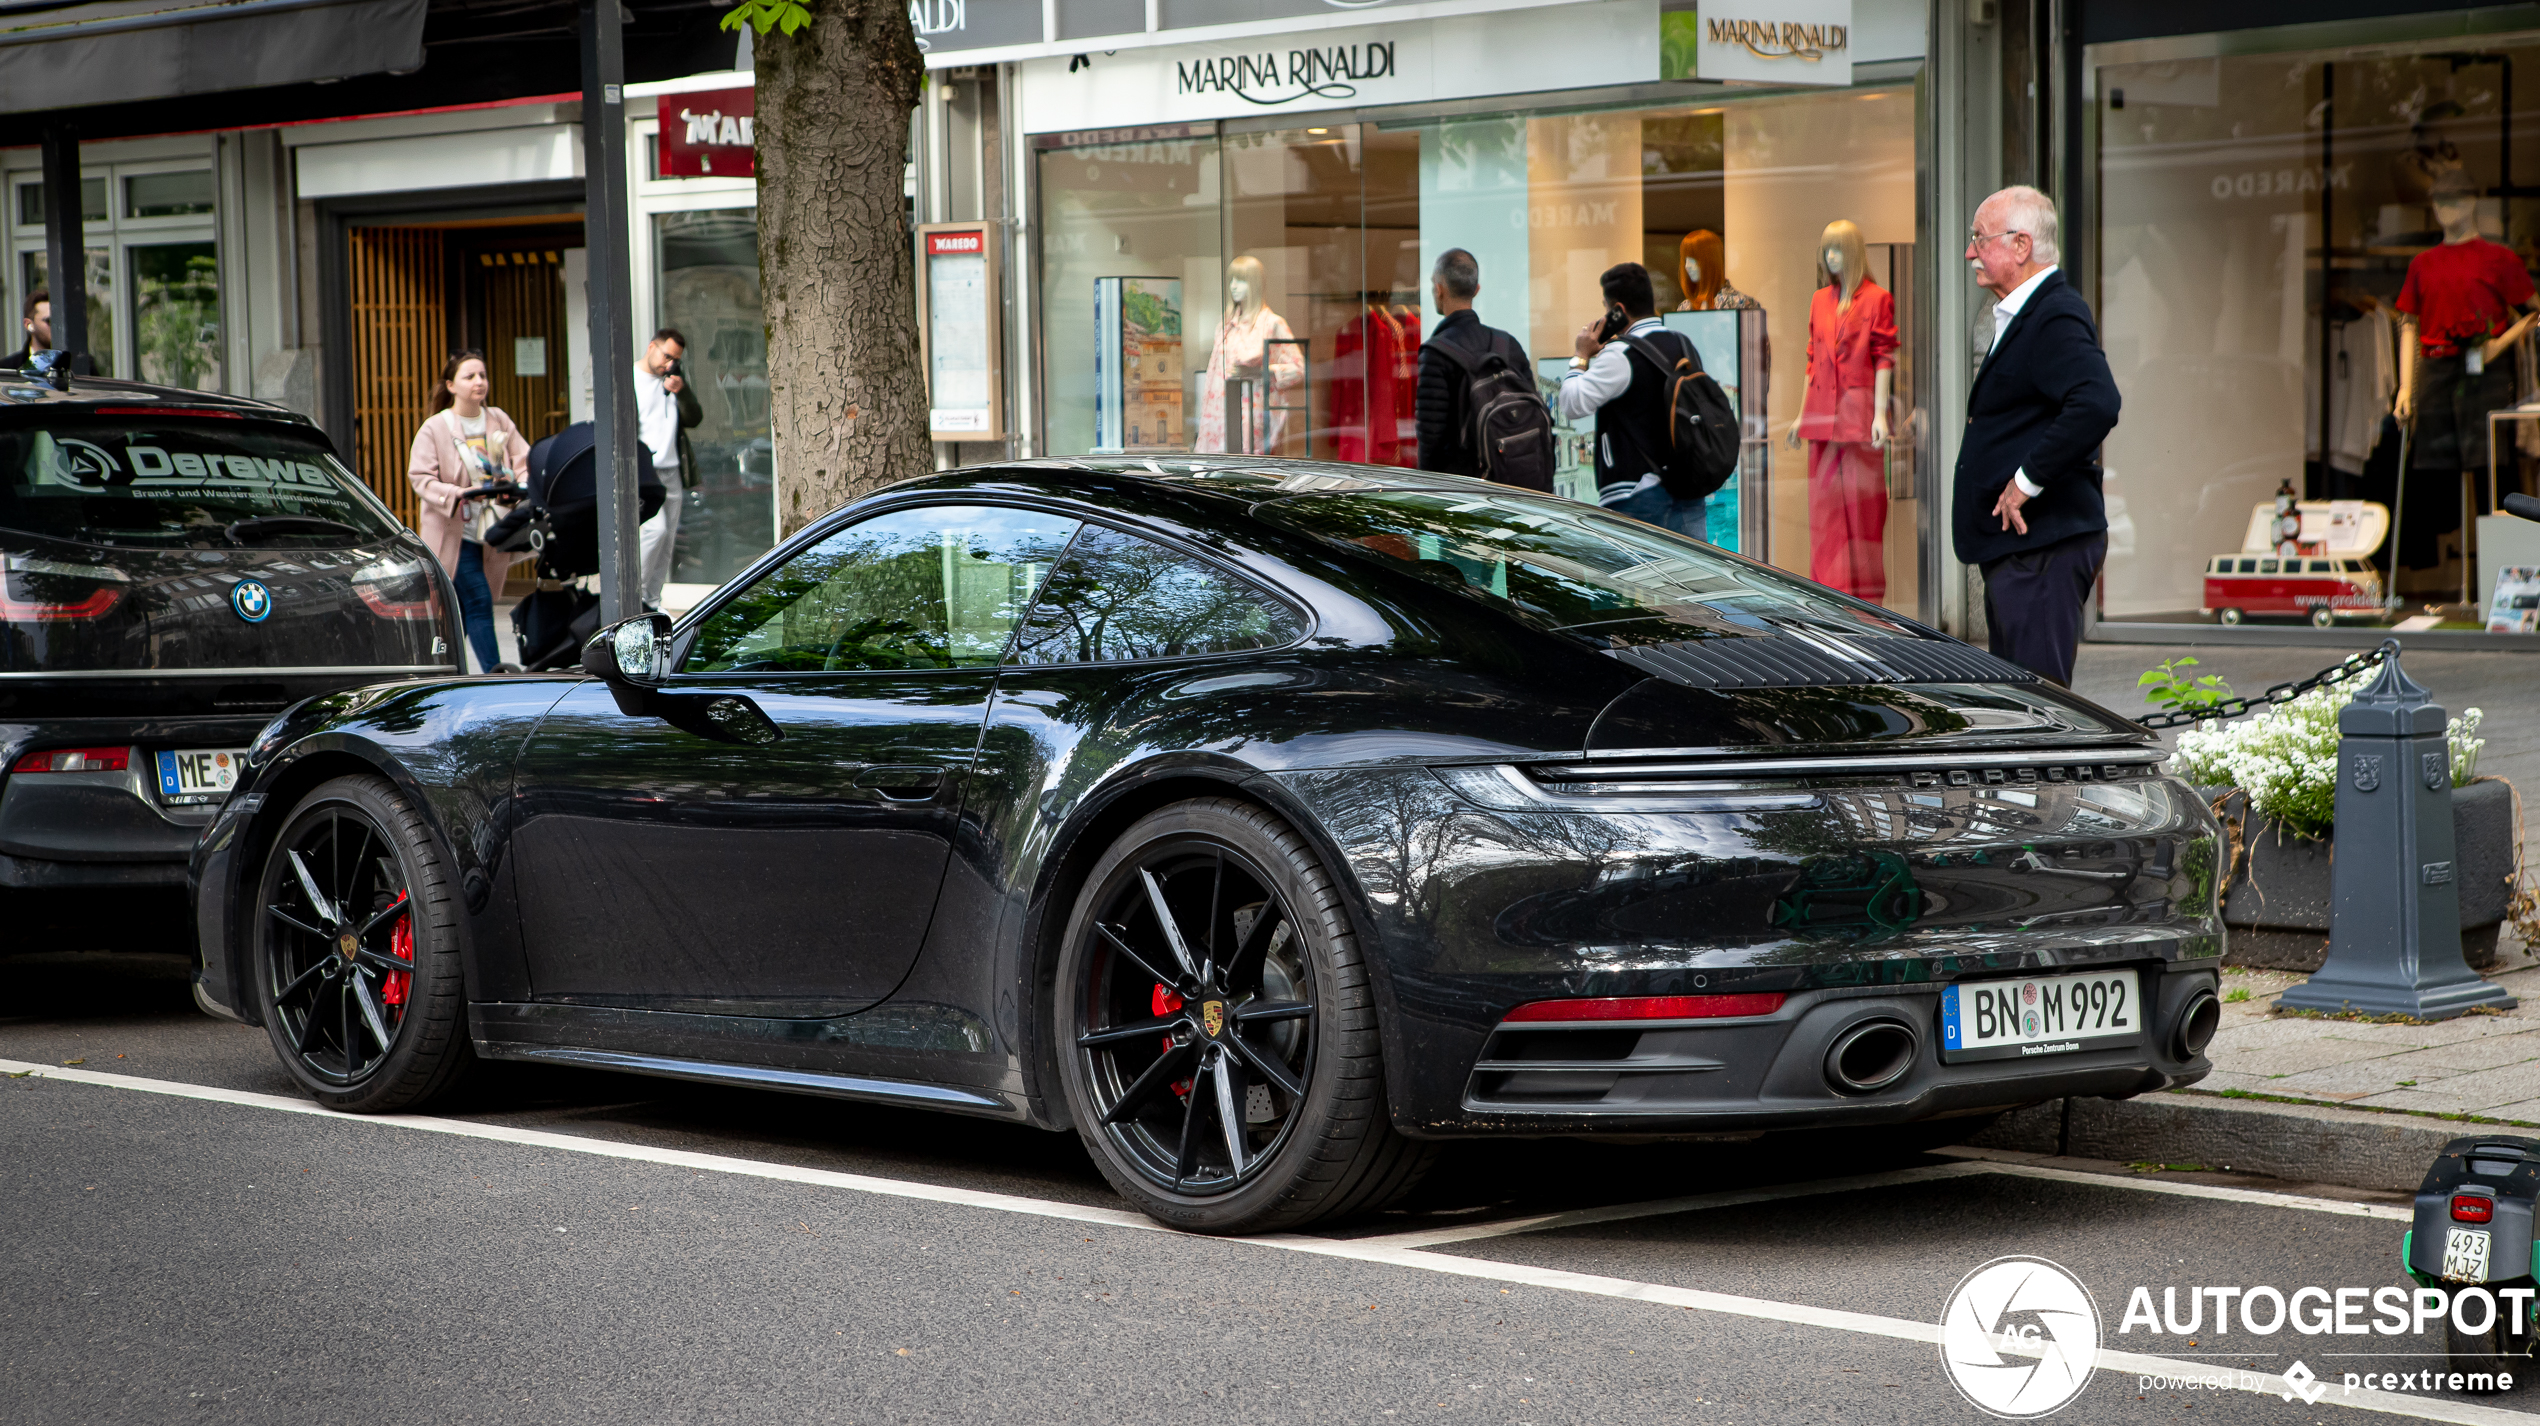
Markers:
(2273, 781)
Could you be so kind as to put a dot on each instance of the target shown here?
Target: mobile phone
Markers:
(1616, 320)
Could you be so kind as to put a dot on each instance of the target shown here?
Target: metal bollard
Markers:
(2394, 938)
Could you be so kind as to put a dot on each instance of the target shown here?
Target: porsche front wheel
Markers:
(1217, 1033)
(356, 952)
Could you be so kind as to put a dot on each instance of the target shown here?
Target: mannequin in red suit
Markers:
(1843, 417)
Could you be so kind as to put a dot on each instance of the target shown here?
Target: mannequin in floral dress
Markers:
(1242, 339)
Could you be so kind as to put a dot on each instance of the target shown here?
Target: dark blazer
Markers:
(2042, 402)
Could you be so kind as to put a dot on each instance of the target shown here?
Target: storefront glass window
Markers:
(1293, 268)
(708, 286)
(176, 314)
(2271, 227)
(33, 266)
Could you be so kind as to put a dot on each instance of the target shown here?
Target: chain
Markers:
(2280, 693)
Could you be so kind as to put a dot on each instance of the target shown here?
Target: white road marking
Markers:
(2262, 1197)
(1693, 1203)
(1380, 1252)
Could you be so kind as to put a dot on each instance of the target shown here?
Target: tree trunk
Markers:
(847, 399)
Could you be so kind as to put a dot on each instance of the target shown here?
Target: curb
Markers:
(2304, 1143)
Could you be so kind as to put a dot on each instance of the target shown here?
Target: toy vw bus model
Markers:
(2321, 570)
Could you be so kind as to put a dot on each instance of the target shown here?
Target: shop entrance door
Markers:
(418, 292)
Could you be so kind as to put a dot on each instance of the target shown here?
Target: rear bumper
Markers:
(103, 829)
(40, 874)
(1770, 1072)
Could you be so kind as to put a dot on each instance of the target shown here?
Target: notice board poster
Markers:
(957, 305)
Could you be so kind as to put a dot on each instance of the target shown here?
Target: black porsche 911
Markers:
(1265, 822)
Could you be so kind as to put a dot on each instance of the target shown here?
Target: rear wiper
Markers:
(267, 524)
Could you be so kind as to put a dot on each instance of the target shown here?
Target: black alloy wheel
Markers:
(355, 952)
(1217, 1031)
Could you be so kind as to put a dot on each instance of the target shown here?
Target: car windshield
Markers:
(200, 481)
(1561, 565)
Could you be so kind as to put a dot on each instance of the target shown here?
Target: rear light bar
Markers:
(74, 760)
(2472, 1208)
(1648, 1007)
(428, 607)
(36, 611)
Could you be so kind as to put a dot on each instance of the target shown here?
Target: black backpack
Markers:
(1702, 427)
(1506, 420)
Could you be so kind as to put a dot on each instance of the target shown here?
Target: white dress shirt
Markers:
(1607, 375)
(2004, 313)
(657, 419)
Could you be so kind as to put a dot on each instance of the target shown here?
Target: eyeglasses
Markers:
(1977, 240)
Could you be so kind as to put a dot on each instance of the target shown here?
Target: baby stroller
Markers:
(557, 514)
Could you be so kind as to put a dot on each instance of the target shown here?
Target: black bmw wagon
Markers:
(1262, 822)
(176, 567)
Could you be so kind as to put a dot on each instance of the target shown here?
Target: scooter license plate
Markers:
(2039, 1015)
(2465, 1254)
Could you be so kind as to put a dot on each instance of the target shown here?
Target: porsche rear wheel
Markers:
(1217, 1033)
(356, 952)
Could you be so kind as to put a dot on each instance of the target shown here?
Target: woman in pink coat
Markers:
(463, 444)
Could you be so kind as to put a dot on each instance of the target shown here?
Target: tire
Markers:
(2323, 618)
(352, 1034)
(2228, 616)
(2503, 1347)
(1151, 1047)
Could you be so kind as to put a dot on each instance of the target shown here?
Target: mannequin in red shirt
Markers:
(1843, 409)
(2454, 365)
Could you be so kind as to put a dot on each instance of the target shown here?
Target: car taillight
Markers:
(387, 606)
(2472, 1208)
(74, 760)
(1651, 1007)
(56, 610)
(399, 591)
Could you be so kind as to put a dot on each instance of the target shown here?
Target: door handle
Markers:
(902, 782)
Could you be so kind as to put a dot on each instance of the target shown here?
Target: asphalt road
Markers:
(187, 1240)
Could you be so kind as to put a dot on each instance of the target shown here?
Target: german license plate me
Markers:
(2465, 1254)
(2039, 1015)
(198, 774)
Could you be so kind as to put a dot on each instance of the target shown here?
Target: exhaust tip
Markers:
(2197, 1026)
(1870, 1057)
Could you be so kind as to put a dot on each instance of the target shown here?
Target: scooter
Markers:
(2471, 1242)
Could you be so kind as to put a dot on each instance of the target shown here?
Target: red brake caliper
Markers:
(1165, 1003)
(401, 944)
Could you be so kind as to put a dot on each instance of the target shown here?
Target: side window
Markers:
(939, 586)
(1120, 597)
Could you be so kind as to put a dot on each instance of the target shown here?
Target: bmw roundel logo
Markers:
(251, 599)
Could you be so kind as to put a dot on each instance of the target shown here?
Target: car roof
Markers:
(1258, 477)
(19, 392)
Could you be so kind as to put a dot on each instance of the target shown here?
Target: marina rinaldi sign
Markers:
(1523, 50)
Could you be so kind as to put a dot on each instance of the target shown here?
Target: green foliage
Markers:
(766, 15)
(2170, 687)
(1679, 36)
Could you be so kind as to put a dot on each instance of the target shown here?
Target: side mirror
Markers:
(631, 651)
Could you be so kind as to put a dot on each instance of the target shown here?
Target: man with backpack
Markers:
(1480, 413)
(1666, 436)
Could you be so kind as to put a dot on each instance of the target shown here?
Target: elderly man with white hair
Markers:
(2028, 510)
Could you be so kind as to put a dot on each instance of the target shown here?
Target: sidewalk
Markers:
(2317, 1100)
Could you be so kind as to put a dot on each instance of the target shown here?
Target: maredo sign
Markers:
(710, 133)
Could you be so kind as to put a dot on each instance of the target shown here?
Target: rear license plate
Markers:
(198, 774)
(2465, 1255)
(2042, 1015)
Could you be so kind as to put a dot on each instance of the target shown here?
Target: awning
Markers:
(118, 51)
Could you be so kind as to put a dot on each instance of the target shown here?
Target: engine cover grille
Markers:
(1818, 661)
